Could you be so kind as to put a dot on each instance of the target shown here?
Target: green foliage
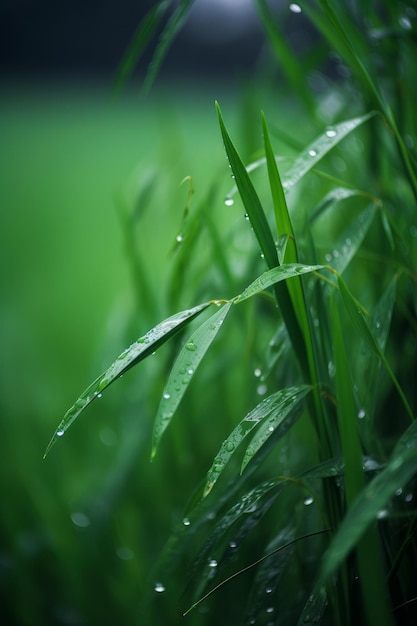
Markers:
(317, 513)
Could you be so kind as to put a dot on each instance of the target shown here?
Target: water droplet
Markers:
(80, 519)
(186, 521)
(398, 492)
(381, 514)
(167, 395)
(268, 590)
(361, 414)
(59, 433)
(408, 497)
(328, 257)
(212, 563)
(295, 8)
(190, 345)
(232, 544)
(308, 500)
(99, 395)
(159, 588)
(271, 429)
(229, 201)
(270, 609)
(312, 153)
(261, 390)
(124, 553)
(230, 446)
(331, 133)
(190, 371)
(257, 372)
(405, 22)
(332, 369)
(179, 238)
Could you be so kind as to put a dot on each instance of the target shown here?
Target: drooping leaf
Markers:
(401, 467)
(138, 351)
(183, 370)
(277, 406)
(275, 275)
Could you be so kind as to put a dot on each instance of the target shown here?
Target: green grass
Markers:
(279, 407)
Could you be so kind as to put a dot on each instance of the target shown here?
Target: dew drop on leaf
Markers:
(190, 345)
(159, 588)
(59, 433)
(229, 201)
(308, 500)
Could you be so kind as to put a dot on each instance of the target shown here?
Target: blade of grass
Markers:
(277, 406)
(141, 38)
(355, 312)
(368, 549)
(183, 370)
(138, 351)
(401, 467)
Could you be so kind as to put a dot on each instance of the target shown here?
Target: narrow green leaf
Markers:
(167, 37)
(355, 312)
(401, 468)
(138, 351)
(273, 276)
(249, 197)
(279, 405)
(321, 146)
(183, 370)
(315, 606)
(277, 424)
(141, 39)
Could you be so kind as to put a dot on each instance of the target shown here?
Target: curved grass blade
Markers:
(280, 420)
(354, 310)
(183, 370)
(138, 351)
(141, 38)
(275, 275)
(401, 467)
(167, 37)
(249, 197)
(278, 406)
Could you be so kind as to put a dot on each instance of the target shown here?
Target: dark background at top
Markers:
(82, 38)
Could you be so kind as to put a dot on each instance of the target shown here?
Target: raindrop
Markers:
(331, 133)
(332, 369)
(59, 433)
(159, 588)
(398, 492)
(99, 395)
(230, 446)
(268, 590)
(361, 414)
(191, 346)
(328, 257)
(381, 514)
(124, 553)
(190, 371)
(257, 372)
(348, 241)
(179, 238)
(246, 217)
(186, 521)
(233, 545)
(213, 563)
(295, 8)
(308, 500)
(80, 519)
(408, 497)
(271, 429)
(312, 153)
(405, 22)
(261, 390)
(229, 201)
(270, 609)
(167, 395)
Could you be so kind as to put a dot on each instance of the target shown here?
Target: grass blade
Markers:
(141, 38)
(138, 351)
(277, 406)
(273, 276)
(183, 370)
(355, 312)
(401, 468)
